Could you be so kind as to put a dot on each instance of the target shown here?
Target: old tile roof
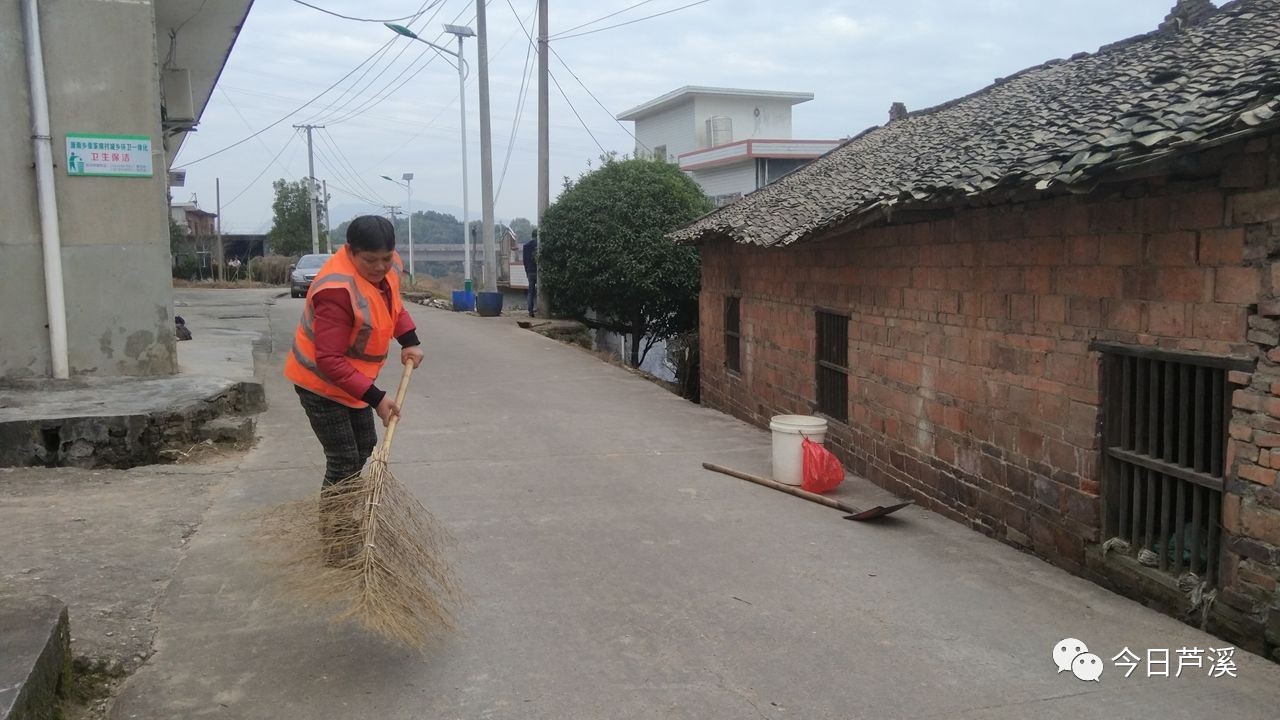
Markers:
(1063, 124)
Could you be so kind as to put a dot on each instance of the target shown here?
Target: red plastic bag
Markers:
(822, 470)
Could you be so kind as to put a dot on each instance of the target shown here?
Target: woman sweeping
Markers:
(352, 312)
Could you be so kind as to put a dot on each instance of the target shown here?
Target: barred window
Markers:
(832, 365)
(1165, 420)
(733, 333)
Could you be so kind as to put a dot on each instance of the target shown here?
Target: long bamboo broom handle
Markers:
(400, 392)
(812, 497)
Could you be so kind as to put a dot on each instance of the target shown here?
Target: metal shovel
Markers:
(854, 513)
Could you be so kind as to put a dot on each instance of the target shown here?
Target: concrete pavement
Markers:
(612, 577)
(107, 541)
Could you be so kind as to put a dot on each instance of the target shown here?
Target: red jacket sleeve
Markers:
(404, 326)
(333, 322)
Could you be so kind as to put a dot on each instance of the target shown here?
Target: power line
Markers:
(575, 112)
(252, 182)
(442, 110)
(630, 22)
(342, 157)
(361, 198)
(297, 110)
(417, 134)
(348, 17)
(303, 106)
(525, 76)
(357, 180)
(396, 89)
(246, 124)
(335, 169)
(593, 97)
(403, 49)
(387, 90)
(376, 121)
(599, 19)
(377, 57)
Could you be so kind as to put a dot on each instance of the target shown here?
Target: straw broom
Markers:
(381, 553)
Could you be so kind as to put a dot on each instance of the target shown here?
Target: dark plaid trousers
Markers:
(347, 434)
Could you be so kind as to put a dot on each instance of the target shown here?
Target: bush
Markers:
(604, 258)
(186, 267)
(272, 269)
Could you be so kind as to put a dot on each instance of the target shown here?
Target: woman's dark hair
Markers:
(371, 233)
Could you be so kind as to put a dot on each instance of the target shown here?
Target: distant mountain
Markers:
(342, 212)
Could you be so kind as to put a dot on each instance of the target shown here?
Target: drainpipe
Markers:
(42, 149)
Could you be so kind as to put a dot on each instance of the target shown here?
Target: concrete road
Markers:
(612, 577)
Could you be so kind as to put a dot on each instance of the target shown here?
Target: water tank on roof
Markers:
(719, 130)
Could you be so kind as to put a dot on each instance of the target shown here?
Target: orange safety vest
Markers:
(370, 335)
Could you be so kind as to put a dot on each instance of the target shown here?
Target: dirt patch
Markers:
(222, 284)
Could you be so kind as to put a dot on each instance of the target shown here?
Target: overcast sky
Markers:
(399, 112)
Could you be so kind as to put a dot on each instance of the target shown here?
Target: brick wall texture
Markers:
(973, 388)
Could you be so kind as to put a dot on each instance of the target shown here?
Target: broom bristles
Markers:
(368, 544)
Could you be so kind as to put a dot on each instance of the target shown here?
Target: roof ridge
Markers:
(1055, 125)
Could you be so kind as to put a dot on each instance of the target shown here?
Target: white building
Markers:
(731, 142)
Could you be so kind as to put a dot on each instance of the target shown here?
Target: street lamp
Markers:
(408, 210)
(459, 31)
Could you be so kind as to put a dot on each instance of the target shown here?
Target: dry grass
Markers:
(220, 284)
(439, 287)
(368, 547)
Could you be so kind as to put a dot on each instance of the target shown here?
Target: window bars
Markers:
(832, 365)
(1165, 434)
(733, 333)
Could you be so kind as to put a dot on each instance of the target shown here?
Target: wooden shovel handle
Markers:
(400, 392)
(812, 497)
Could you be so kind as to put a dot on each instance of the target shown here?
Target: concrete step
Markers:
(116, 422)
(35, 657)
(235, 429)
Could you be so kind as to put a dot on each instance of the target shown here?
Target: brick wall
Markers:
(973, 388)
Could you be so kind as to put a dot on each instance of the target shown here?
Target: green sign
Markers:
(91, 154)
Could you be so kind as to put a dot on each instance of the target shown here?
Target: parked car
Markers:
(304, 272)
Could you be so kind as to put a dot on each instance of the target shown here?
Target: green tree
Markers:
(436, 227)
(176, 236)
(603, 257)
(523, 229)
(290, 232)
(340, 233)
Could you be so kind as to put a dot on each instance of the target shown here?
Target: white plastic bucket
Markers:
(789, 433)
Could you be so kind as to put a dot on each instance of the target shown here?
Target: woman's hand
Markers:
(412, 354)
(387, 409)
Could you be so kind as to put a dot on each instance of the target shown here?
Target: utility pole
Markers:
(311, 186)
(486, 154)
(328, 223)
(217, 224)
(544, 143)
(408, 210)
(462, 102)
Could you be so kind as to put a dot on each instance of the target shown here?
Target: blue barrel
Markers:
(489, 304)
(463, 301)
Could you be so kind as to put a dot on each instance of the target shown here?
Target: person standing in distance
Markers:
(531, 271)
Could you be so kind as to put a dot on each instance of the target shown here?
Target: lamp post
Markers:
(408, 211)
(459, 31)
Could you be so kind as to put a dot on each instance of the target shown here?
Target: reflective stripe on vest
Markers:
(372, 329)
(359, 347)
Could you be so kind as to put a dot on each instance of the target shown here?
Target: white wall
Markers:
(773, 122)
(673, 127)
(739, 177)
